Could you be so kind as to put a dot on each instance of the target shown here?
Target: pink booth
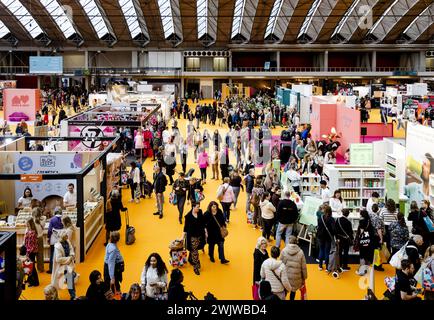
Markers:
(326, 115)
(21, 104)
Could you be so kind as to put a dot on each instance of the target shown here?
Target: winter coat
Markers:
(61, 263)
(295, 262)
(267, 210)
(113, 218)
(274, 271)
(203, 160)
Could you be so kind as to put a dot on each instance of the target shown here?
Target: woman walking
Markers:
(113, 263)
(154, 278)
(64, 264)
(226, 196)
(237, 184)
(195, 234)
(180, 187)
(203, 163)
(214, 221)
(274, 271)
(259, 256)
(295, 262)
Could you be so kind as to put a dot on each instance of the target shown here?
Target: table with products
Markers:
(93, 223)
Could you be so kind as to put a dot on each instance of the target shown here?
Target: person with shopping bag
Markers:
(295, 262)
(259, 256)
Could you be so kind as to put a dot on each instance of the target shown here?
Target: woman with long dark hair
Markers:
(325, 234)
(154, 278)
(195, 234)
(399, 234)
(336, 202)
(176, 289)
(214, 220)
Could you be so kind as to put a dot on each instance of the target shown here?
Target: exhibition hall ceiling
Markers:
(213, 23)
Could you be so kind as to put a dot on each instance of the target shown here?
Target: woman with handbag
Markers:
(274, 271)
(259, 256)
(113, 263)
(195, 235)
(216, 227)
(295, 262)
(63, 264)
(154, 278)
(325, 233)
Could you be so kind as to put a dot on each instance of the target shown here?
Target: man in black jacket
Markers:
(286, 216)
(160, 182)
(344, 233)
(250, 183)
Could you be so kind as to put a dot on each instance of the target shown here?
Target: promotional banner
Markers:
(89, 131)
(20, 104)
(44, 189)
(48, 163)
(419, 159)
(361, 154)
(308, 212)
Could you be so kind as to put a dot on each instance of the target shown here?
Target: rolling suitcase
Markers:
(130, 232)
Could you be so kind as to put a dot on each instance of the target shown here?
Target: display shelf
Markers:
(310, 184)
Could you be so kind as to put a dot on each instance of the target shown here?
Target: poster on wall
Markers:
(30, 163)
(420, 159)
(43, 190)
(20, 104)
(361, 154)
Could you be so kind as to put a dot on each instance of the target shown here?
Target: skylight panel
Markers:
(131, 18)
(23, 16)
(95, 17)
(59, 16)
(238, 17)
(271, 25)
(166, 17)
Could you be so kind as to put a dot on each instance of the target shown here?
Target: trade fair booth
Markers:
(48, 174)
(104, 121)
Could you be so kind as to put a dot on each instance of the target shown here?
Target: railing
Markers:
(392, 69)
(14, 69)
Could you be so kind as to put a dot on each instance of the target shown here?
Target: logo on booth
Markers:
(20, 101)
(25, 163)
(48, 161)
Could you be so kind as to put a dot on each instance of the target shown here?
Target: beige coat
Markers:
(274, 271)
(60, 264)
(295, 262)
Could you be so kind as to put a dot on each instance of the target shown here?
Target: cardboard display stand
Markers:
(21, 104)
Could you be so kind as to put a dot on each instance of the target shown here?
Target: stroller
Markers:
(334, 260)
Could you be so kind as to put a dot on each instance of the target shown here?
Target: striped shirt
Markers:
(388, 217)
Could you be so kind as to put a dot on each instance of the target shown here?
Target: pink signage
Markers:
(20, 104)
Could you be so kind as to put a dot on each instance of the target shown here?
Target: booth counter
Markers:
(48, 174)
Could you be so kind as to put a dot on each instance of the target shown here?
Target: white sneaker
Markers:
(131, 200)
(137, 201)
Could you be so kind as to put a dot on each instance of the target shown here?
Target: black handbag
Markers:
(119, 267)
